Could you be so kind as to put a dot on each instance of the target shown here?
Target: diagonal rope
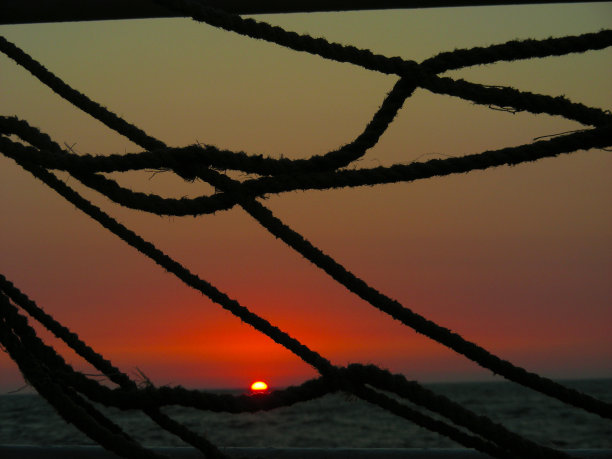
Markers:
(63, 399)
(326, 369)
(50, 155)
(335, 158)
(104, 366)
(401, 313)
(340, 379)
(393, 308)
(173, 266)
(409, 70)
(517, 100)
(315, 172)
(321, 364)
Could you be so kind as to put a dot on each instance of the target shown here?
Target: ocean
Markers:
(336, 420)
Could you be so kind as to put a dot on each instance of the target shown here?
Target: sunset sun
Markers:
(259, 387)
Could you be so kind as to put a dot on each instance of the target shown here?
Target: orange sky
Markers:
(516, 259)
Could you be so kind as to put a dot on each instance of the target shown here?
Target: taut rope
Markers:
(67, 389)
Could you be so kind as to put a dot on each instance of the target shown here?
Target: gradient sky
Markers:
(516, 259)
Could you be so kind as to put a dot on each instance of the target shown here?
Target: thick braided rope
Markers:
(394, 410)
(399, 312)
(104, 366)
(344, 379)
(375, 128)
(218, 202)
(49, 155)
(336, 158)
(467, 87)
(230, 160)
(66, 377)
(61, 398)
(224, 159)
(517, 49)
(129, 396)
(371, 375)
(322, 365)
(78, 99)
(409, 70)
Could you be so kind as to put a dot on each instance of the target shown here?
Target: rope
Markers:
(50, 155)
(350, 380)
(66, 405)
(66, 388)
(352, 283)
(101, 364)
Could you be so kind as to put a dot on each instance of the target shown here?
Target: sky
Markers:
(517, 259)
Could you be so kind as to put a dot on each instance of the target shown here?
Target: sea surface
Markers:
(336, 420)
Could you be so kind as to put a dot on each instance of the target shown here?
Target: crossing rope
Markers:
(71, 392)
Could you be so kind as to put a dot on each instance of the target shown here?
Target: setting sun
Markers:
(259, 386)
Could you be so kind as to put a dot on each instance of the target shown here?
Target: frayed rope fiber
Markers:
(71, 392)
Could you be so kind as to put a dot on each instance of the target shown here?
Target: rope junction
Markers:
(70, 392)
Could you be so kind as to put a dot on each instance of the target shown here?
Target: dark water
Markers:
(334, 421)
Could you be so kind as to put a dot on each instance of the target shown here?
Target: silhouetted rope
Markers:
(410, 70)
(63, 386)
(354, 284)
(321, 364)
(50, 155)
(101, 364)
(66, 405)
(311, 357)
(350, 379)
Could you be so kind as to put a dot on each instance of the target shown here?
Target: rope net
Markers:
(72, 392)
